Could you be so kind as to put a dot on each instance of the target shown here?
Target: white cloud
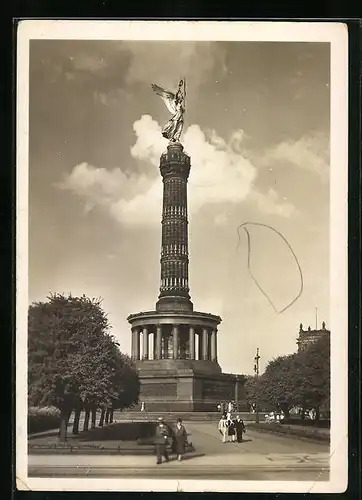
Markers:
(269, 203)
(310, 152)
(220, 174)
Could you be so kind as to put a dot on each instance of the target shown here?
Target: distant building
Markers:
(309, 336)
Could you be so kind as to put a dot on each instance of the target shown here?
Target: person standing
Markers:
(180, 439)
(239, 428)
(161, 441)
(230, 407)
(223, 429)
(231, 428)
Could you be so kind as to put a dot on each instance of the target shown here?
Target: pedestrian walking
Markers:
(230, 407)
(239, 428)
(161, 441)
(223, 428)
(180, 439)
(143, 408)
(231, 428)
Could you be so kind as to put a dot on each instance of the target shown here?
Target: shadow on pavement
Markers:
(186, 457)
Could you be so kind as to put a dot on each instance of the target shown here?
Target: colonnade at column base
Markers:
(175, 353)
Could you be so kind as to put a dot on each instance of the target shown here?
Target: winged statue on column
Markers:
(175, 103)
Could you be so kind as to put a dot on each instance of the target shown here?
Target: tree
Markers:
(314, 389)
(301, 379)
(253, 394)
(74, 362)
(278, 383)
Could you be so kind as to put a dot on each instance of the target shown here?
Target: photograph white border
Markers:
(336, 34)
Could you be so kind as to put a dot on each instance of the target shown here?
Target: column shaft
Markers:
(205, 343)
(175, 342)
(145, 343)
(200, 345)
(213, 345)
(133, 344)
(158, 342)
(216, 337)
(136, 333)
(191, 342)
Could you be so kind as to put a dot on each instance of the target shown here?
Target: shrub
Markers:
(290, 430)
(43, 419)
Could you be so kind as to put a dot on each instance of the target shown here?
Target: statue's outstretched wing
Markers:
(167, 97)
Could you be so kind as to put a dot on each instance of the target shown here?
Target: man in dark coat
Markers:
(180, 439)
(161, 441)
(239, 427)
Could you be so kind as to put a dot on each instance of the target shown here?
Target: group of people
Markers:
(231, 430)
(162, 439)
(226, 407)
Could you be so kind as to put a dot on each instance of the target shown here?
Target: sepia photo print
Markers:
(181, 256)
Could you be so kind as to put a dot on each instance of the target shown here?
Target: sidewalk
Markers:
(191, 460)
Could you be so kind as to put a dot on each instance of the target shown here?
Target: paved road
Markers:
(207, 440)
(260, 456)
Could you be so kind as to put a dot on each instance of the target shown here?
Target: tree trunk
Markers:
(111, 416)
(317, 414)
(94, 417)
(76, 421)
(101, 419)
(107, 416)
(86, 420)
(64, 417)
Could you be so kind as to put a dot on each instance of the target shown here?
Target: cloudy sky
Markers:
(257, 131)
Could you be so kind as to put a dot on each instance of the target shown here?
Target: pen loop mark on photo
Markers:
(243, 226)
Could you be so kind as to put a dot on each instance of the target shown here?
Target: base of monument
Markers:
(187, 386)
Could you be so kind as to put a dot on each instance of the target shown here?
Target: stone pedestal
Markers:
(187, 387)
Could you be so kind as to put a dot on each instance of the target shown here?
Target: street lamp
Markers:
(256, 370)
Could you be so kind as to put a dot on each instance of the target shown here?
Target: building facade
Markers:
(309, 336)
(173, 346)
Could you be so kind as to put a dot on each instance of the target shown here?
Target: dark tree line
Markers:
(298, 380)
(75, 364)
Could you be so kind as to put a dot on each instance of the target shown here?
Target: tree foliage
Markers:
(73, 360)
(277, 384)
(301, 379)
(315, 382)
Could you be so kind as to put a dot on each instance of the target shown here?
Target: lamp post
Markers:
(256, 370)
